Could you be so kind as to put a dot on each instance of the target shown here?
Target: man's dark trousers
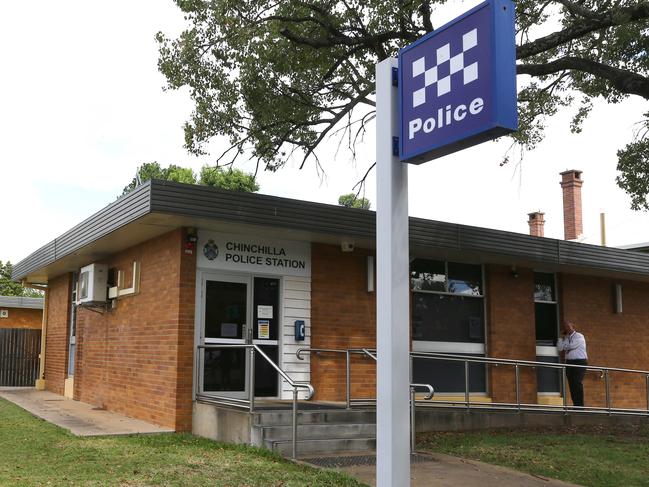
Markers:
(575, 377)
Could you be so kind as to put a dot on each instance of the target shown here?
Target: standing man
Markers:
(573, 345)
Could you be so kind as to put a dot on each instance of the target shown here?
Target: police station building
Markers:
(151, 301)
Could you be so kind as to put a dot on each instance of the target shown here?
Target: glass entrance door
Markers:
(265, 334)
(239, 310)
(225, 322)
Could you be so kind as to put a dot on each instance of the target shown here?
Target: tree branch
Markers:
(622, 79)
(424, 10)
(577, 10)
(613, 17)
(331, 41)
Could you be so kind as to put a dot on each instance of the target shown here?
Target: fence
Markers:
(19, 351)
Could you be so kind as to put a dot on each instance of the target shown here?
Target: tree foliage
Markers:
(232, 179)
(12, 288)
(351, 200)
(278, 78)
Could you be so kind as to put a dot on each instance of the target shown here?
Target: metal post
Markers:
(563, 387)
(466, 384)
(348, 387)
(413, 439)
(251, 381)
(518, 387)
(608, 391)
(392, 303)
(294, 423)
(198, 373)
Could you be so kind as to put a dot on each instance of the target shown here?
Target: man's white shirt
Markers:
(574, 345)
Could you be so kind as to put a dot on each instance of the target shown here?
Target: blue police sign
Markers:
(457, 85)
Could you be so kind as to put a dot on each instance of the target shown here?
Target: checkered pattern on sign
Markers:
(469, 73)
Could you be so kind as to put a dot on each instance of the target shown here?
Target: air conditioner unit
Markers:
(93, 285)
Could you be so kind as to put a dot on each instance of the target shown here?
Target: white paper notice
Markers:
(265, 312)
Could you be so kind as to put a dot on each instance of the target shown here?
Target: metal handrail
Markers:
(413, 401)
(517, 364)
(372, 354)
(368, 352)
(283, 374)
(504, 361)
(251, 385)
(431, 390)
(604, 373)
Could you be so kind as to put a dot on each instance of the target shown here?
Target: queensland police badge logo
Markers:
(210, 250)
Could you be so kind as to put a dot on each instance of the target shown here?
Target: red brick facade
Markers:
(343, 315)
(22, 318)
(56, 347)
(511, 331)
(136, 359)
(614, 340)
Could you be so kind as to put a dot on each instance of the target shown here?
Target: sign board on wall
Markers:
(457, 85)
(253, 253)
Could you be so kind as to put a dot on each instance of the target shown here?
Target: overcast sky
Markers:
(82, 105)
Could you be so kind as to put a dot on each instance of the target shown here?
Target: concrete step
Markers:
(323, 446)
(328, 416)
(319, 431)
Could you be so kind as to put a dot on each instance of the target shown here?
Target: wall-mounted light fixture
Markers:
(514, 272)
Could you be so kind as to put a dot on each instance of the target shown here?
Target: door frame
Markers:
(203, 275)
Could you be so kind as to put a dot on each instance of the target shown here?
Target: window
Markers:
(72, 340)
(447, 302)
(546, 318)
(448, 317)
(444, 318)
(545, 309)
(428, 275)
(544, 288)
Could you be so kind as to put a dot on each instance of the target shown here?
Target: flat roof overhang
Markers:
(21, 302)
(158, 207)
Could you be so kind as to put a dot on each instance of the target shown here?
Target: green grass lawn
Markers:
(593, 457)
(33, 452)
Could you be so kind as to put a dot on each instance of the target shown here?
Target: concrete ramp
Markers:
(78, 418)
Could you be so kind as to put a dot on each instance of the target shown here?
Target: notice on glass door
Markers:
(263, 329)
(264, 311)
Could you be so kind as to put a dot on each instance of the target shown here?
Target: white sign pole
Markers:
(392, 308)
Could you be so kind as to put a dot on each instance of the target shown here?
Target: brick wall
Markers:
(615, 340)
(343, 315)
(22, 318)
(137, 359)
(511, 331)
(56, 347)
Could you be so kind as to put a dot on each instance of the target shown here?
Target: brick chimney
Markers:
(536, 223)
(571, 183)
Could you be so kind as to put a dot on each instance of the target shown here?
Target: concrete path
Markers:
(448, 471)
(79, 418)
